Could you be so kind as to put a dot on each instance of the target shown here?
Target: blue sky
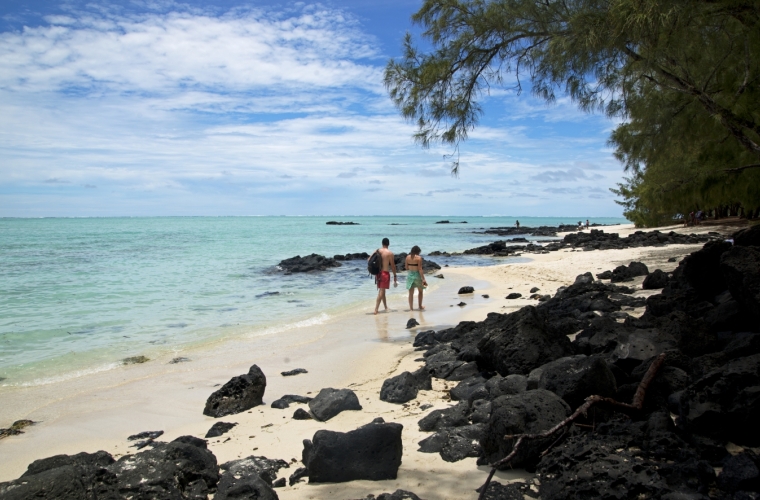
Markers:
(263, 108)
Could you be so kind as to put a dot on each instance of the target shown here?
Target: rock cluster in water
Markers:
(594, 240)
(337, 223)
(307, 264)
(520, 373)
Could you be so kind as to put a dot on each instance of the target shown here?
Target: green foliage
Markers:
(683, 74)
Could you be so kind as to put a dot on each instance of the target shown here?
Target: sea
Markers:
(78, 295)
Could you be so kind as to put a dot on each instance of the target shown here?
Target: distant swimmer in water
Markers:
(384, 276)
(415, 277)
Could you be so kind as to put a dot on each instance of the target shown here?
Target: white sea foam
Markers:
(313, 321)
(65, 376)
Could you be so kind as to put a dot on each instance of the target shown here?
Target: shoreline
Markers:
(354, 349)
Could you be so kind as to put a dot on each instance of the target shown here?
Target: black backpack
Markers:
(375, 263)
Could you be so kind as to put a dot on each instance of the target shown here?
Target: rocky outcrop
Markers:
(371, 452)
(624, 273)
(352, 256)
(307, 264)
(239, 394)
(330, 402)
(250, 477)
(657, 279)
(337, 223)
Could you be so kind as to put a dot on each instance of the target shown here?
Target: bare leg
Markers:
(419, 297)
(411, 299)
(385, 304)
(380, 296)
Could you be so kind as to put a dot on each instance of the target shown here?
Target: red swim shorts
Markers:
(384, 280)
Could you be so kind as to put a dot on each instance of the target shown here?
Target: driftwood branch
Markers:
(629, 409)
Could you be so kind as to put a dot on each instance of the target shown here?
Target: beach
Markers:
(353, 349)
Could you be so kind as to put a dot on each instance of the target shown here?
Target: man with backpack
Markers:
(380, 264)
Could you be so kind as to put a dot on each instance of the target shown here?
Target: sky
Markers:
(151, 108)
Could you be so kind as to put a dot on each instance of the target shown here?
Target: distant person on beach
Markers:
(587, 225)
(384, 277)
(415, 277)
(517, 224)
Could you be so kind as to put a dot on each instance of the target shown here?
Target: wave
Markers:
(65, 376)
(313, 321)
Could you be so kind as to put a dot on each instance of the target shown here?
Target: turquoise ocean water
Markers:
(78, 295)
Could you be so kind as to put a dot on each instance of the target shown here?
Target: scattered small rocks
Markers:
(411, 323)
(485, 296)
(296, 371)
(534, 289)
(439, 276)
(180, 359)
(513, 295)
(462, 304)
(466, 289)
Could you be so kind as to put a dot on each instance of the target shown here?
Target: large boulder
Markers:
(329, 402)
(404, 387)
(520, 342)
(65, 477)
(238, 395)
(371, 452)
(184, 468)
(528, 412)
(575, 378)
(725, 403)
(741, 270)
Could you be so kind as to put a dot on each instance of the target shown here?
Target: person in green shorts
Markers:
(415, 278)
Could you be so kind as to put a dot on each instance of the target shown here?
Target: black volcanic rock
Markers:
(725, 403)
(574, 378)
(286, 400)
(520, 342)
(337, 223)
(371, 452)
(740, 268)
(527, 412)
(267, 469)
(219, 428)
(404, 387)
(329, 402)
(657, 279)
(239, 394)
(466, 289)
(296, 371)
(307, 264)
(183, 468)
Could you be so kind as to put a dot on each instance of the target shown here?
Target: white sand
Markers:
(354, 349)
